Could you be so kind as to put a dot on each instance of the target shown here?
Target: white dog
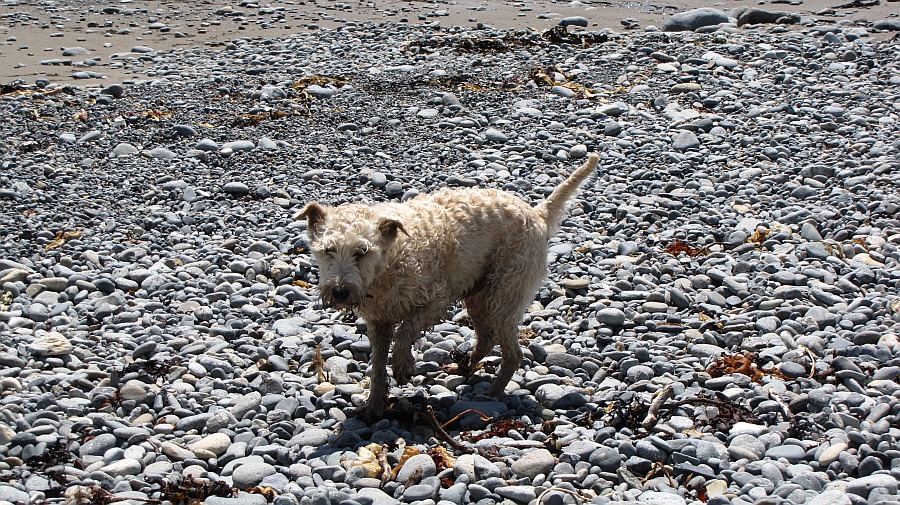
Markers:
(401, 265)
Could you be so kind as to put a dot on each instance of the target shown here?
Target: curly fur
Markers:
(400, 266)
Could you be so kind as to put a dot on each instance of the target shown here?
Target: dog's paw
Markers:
(497, 389)
(403, 371)
(370, 412)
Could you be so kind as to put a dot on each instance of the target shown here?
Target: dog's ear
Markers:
(314, 214)
(390, 228)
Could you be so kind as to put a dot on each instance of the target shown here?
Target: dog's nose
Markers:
(340, 294)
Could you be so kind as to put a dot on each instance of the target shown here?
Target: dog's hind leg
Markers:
(509, 288)
(403, 364)
(508, 337)
(496, 322)
(479, 317)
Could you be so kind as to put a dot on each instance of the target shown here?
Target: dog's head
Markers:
(348, 243)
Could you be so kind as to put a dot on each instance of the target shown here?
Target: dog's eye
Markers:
(329, 251)
(359, 253)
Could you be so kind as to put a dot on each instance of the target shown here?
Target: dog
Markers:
(400, 266)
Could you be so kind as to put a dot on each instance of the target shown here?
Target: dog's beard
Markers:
(355, 294)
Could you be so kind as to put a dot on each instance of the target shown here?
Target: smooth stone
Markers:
(832, 497)
(419, 462)
(75, 51)
(239, 145)
(216, 443)
(310, 437)
(418, 492)
(660, 498)
(685, 140)
(377, 496)
(685, 87)
(176, 452)
(792, 453)
(123, 149)
(533, 463)
(475, 467)
(574, 21)
(236, 188)
(863, 486)
(746, 446)
(207, 145)
(611, 317)
(122, 468)
(495, 136)
(98, 445)
(242, 498)
(251, 474)
(520, 494)
(160, 153)
(11, 495)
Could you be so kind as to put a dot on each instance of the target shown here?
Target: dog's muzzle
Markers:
(340, 296)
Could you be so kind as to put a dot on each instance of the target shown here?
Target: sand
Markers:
(36, 31)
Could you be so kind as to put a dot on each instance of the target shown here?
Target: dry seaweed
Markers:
(482, 415)
(526, 335)
(319, 80)
(440, 433)
(678, 247)
(157, 369)
(561, 35)
(545, 76)
(62, 237)
(469, 44)
(745, 364)
(191, 491)
(14, 87)
(156, 115)
(245, 120)
(442, 461)
(805, 427)
(727, 412)
(758, 237)
(96, 495)
(317, 364)
(626, 411)
(115, 400)
(265, 491)
(499, 428)
(460, 364)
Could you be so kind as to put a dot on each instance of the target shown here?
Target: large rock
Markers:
(689, 21)
(887, 24)
(759, 16)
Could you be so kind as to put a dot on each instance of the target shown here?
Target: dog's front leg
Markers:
(380, 336)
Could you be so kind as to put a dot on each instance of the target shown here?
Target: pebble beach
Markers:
(721, 319)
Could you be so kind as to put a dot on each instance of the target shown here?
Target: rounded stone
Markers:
(251, 474)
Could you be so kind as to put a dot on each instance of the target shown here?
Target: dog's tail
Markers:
(553, 208)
